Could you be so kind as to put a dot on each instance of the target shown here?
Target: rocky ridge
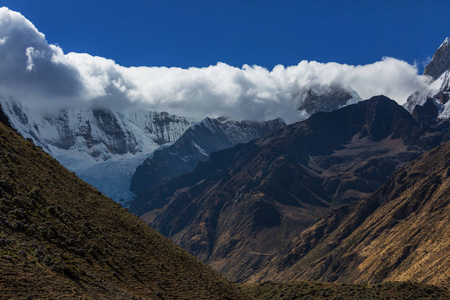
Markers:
(319, 98)
(196, 144)
(440, 61)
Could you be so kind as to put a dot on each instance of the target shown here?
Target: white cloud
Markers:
(43, 76)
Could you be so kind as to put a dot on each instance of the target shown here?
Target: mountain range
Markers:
(96, 141)
(115, 151)
(62, 239)
(345, 202)
(275, 187)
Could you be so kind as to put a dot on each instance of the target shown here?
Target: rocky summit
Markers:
(440, 61)
(431, 105)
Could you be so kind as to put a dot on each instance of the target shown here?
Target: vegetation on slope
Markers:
(59, 237)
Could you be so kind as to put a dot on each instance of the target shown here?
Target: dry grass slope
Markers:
(61, 238)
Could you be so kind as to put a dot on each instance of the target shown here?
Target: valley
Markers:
(310, 181)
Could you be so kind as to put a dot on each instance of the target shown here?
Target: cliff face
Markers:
(99, 133)
(326, 98)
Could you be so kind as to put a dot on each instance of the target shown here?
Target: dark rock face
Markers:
(195, 145)
(325, 98)
(426, 113)
(274, 187)
(3, 118)
(440, 62)
(120, 140)
(162, 127)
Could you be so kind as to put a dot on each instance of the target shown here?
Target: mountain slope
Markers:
(401, 233)
(59, 237)
(103, 147)
(196, 144)
(226, 210)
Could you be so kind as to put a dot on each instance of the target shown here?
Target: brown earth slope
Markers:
(401, 233)
(61, 239)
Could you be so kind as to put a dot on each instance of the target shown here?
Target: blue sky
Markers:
(266, 33)
(241, 59)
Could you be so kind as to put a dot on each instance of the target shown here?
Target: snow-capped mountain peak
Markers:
(437, 93)
(325, 98)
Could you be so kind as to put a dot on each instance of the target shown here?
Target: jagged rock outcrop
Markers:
(426, 113)
(440, 61)
(3, 118)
